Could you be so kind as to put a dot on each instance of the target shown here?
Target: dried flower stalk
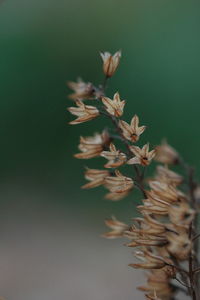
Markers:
(164, 235)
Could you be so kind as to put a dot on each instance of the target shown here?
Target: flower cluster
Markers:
(163, 234)
(119, 185)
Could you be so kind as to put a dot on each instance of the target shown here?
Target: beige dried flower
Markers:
(117, 227)
(118, 183)
(92, 146)
(82, 90)
(165, 231)
(116, 196)
(110, 62)
(158, 282)
(96, 178)
(150, 232)
(132, 132)
(149, 226)
(114, 156)
(142, 156)
(150, 261)
(179, 243)
(147, 242)
(154, 297)
(168, 176)
(181, 214)
(166, 192)
(114, 107)
(83, 112)
(166, 154)
(154, 205)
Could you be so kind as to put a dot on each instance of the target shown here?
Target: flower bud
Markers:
(110, 62)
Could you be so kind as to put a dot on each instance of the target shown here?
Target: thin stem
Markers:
(105, 83)
(123, 139)
(191, 184)
(139, 178)
(177, 268)
(140, 187)
(191, 272)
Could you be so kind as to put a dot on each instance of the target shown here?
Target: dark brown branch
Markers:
(139, 178)
(191, 185)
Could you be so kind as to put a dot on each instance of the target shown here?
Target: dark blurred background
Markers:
(49, 229)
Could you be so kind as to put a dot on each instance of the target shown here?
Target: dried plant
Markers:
(164, 235)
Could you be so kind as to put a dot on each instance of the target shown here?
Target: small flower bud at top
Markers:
(110, 62)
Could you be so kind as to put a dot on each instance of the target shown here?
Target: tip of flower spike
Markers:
(110, 62)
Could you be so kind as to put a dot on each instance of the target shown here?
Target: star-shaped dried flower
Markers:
(110, 62)
(82, 90)
(132, 132)
(114, 156)
(92, 146)
(96, 178)
(118, 183)
(117, 227)
(114, 107)
(166, 154)
(142, 156)
(83, 112)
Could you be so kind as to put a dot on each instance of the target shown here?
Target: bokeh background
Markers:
(50, 244)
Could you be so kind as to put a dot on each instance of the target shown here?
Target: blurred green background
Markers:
(43, 44)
